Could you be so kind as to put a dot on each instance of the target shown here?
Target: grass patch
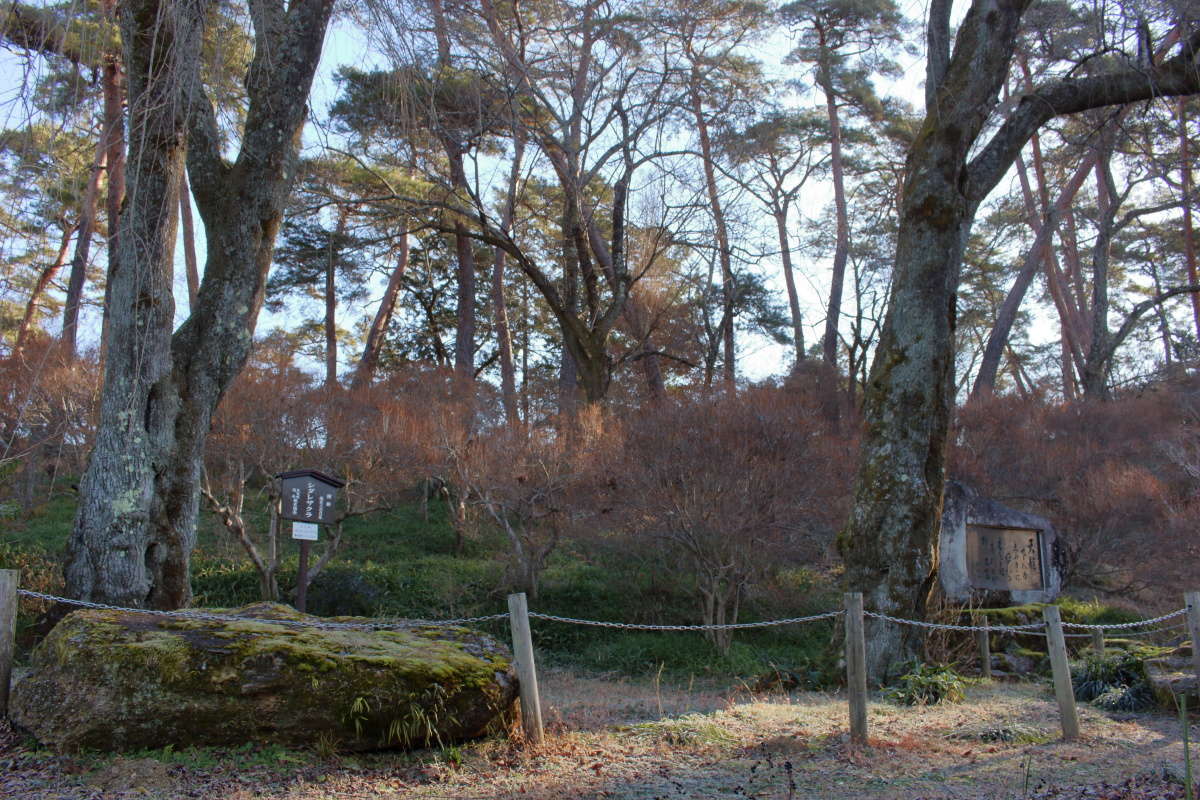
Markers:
(690, 730)
(1015, 733)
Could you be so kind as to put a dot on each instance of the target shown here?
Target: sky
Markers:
(345, 44)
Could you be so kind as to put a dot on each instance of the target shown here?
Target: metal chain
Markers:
(386, 624)
(1167, 629)
(732, 626)
(1033, 626)
(1124, 625)
(383, 624)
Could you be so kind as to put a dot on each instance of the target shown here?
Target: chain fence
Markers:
(1032, 628)
(380, 625)
(733, 626)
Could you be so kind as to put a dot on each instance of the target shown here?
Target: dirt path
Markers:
(635, 741)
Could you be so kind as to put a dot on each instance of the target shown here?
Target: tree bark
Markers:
(728, 288)
(508, 377)
(369, 363)
(789, 279)
(464, 332)
(1189, 234)
(332, 255)
(83, 247)
(1039, 253)
(114, 554)
(890, 542)
(189, 241)
(113, 83)
(39, 288)
(841, 250)
(135, 528)
(1099, 359)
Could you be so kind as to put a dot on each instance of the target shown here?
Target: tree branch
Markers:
(1177, 76)
(937, 37)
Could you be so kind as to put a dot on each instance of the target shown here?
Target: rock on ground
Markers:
(114, 680)
(1171, 676)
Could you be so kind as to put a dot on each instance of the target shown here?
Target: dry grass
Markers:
(638, 741)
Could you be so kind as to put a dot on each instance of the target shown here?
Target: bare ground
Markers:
(637, 741)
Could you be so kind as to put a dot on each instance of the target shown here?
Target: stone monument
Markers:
(992, 554)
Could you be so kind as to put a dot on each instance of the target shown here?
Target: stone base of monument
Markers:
(1017, 665)
(114, 680)
(1171, 676)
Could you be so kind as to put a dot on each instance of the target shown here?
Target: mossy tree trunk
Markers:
(890, 541)
(135, 527)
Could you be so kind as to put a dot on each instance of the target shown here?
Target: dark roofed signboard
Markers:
(309, 495)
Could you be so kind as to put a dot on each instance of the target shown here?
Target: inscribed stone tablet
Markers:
(1004, 558)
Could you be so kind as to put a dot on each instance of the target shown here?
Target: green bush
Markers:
(927, 685)
(1115, 681)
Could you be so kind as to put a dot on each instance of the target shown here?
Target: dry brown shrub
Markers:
(48, 407)
(735, 486)
(1111, 477)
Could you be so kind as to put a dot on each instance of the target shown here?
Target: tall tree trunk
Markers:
(135, 528)
(113, 86)
(568, 385)
(1098, 362)
(1164, 324)
(508, 380)
(841, 250)
(464, 332)
(789, 279)
(83, 247)
(333, 253)
(115, 554)
(890, 542)
(1189, 233)
(39, 288)
(1039, 253)
(189, 241)
(369, 363)
(728, 288)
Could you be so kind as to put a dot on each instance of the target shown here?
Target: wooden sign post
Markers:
(9, 580)
(307, 498)
(856, 667)
(1061, 669)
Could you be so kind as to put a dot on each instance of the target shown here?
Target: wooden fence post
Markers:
(1062, 672)
(1098, 641)
(531, 704)
(9, 579)
(1192, 600)
(856, 667)
(985, 645)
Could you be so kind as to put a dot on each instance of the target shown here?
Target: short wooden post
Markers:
(302, 578)
(856, 667)
(1192, 600)
(9, 579)
(1062, 672)
(531, 704)
(1098, 641)
(985, 645)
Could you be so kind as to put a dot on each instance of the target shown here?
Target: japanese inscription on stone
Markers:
(1004, 558)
